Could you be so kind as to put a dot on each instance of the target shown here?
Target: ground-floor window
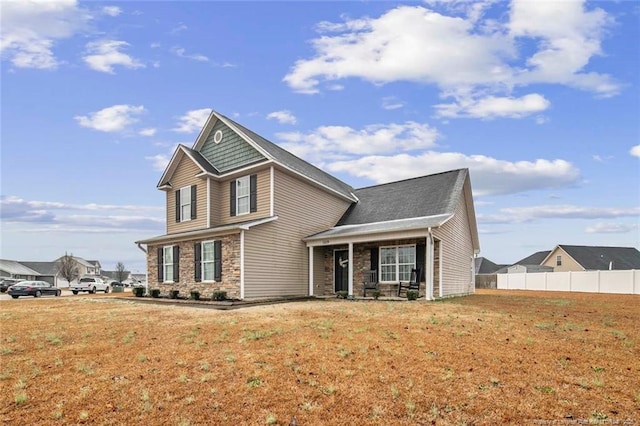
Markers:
(208, 259)
(396, 263)
(167, 263)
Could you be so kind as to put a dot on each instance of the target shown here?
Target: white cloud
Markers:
(159, 162)
(112, 119)
(103, 55)
(494, 107)
(64, 216)
(611, 228)
(635, 151)
(476, 60)
(178, 29)
(283, 117)
(147, 132)
(111, 10)
(181, 52)
(565, 211)
(192, 121)
(489, 176)
(391, 103)
(30, 29)
(342, 142)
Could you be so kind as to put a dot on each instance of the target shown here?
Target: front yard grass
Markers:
(495, 357)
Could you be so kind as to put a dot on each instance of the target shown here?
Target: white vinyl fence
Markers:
(622, 282)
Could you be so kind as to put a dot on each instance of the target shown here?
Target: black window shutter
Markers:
(176, 263)
(374, 259)
(420, 255)
(160, 265)
(178, 205)
(197, 258)
(232, 198)
(253, 193)
(217, 256)
(193, 201)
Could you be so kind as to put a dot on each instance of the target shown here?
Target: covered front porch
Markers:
(336, 265)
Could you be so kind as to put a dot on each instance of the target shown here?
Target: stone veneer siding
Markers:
(230, 269)
(362, 263)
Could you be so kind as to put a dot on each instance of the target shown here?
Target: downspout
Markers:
(242, 264)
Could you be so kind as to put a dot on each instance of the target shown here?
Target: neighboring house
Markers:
(47, 271)
(521, 269)
(114, 275)
(136, 278)
(249, 218)
(591, 258)
(486, 272)
(85, 267)
(13, 269)
(535, 259)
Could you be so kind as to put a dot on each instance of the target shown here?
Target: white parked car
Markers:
(90, 285)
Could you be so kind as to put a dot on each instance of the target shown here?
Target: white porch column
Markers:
(310, 271)
(429, 269)
(350, 264)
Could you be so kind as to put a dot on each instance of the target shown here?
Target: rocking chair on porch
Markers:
(414, 282)
(370, 281)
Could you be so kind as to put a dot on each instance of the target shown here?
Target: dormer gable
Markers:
(181, 152)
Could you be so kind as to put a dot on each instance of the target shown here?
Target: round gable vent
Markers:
(217, 136)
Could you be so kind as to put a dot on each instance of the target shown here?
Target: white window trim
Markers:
(182, 204)
(164, 265)
(202, 261)
(397, 263)
(248, 196)
(559, 260)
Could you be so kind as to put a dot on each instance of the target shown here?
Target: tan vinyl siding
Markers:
(185, 176)
(263, 200)
(456, 251)
(318, 271)
(276, 258)
(215, 203)
(568, 264)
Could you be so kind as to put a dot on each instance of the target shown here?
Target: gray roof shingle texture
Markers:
(534, 259)
(44, 268)
(485, 266)
(418, 197)
(598, 258)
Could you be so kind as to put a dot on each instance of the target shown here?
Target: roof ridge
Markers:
(411, 178)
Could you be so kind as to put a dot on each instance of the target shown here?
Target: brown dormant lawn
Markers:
(495, 357)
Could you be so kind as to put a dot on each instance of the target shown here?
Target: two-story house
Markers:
(247, 217)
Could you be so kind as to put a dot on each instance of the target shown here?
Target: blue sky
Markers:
(540, 100)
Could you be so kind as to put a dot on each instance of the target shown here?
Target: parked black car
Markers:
(5, 283)
(33, 288)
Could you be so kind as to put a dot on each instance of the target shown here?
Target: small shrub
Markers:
(342, 294)
(219, 295)
(195, 295)
(376, 294)
(155, 293)
(138, 291)
(174, 294)
(412, 295)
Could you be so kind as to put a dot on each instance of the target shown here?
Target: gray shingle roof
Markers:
(16, 268)
(299, 165)
(43, 268)
(598, 258)
(534, 259)
(485, 266)
(203, 162)
(424, 196)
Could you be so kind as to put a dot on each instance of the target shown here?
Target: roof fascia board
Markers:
(169, 169)
(446, 219)
(235, 172)
(225, 230)
(373, 236)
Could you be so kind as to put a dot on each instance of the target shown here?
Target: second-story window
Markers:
(186, 203)
(558, 260)
(242, 195)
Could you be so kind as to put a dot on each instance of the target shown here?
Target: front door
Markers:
(341, 269)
